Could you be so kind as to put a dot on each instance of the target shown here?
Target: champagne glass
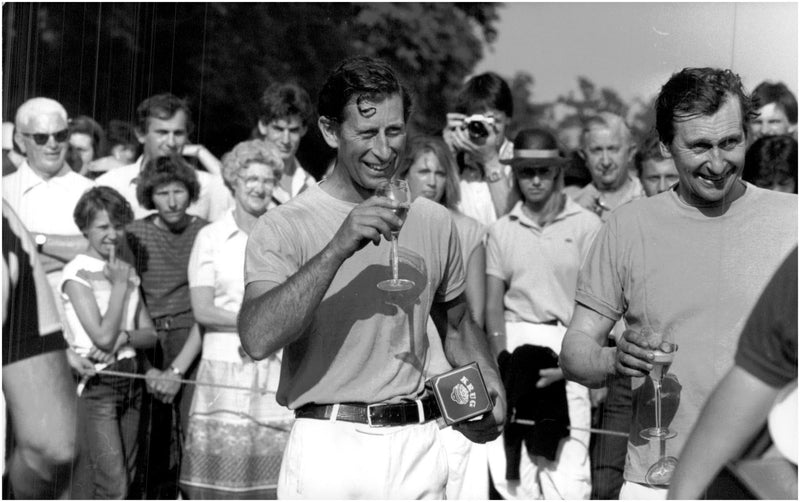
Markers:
(396, 190)
(664, 354)
(660, 473)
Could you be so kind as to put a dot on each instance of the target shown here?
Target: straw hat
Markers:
(536, 147)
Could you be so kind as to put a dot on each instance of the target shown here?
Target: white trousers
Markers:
(467, 476)
(569, 476)
(637, 491)
(327, 459)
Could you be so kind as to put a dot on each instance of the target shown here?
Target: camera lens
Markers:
(477, 129)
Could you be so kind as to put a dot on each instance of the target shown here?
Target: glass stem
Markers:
(395, 261)
(657, 385)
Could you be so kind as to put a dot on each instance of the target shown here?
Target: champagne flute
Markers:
(663, 355)
(396, 190)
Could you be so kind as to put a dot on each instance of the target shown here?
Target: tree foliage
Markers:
(102, 59)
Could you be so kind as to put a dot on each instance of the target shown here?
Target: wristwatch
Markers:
(176, 371)
(40, 240)
(495, 176)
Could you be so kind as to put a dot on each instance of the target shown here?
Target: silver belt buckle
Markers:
(369, 416)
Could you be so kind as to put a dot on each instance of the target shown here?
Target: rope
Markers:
(124, 374)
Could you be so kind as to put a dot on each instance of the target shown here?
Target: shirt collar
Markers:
(570, 208)
(29, 179)
(228, 223)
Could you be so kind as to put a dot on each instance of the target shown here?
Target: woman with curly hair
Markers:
(236, 437)
(160, 244)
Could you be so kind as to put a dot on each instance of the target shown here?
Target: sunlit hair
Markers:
(102, 198)
(417, 146)
(364, 79)
(487, 91)
(769, 159)
(163, 107)
(35, 107)
(695, 92)
(767, 92)
(606, 120)
(163, 170)
(87, 125)
(121, 133)
(247, 152)
(284, 100)
(649, 149)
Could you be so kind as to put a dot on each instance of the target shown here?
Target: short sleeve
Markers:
(599, 280)
(269, 255)
(454, 278)
(494, 253)
(70, 273)
(201, 260)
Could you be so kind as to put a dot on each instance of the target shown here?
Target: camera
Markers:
(478, 125)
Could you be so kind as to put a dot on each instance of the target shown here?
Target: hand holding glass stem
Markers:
(396, 190)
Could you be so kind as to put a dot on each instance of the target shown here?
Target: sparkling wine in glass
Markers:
(396, 190)
(663, 356)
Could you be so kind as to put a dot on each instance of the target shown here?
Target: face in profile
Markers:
(658, 176)
(709, 151)
(426, 177)
(771, 121)
(83, 146)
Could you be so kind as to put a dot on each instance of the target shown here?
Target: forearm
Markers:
(209, 161)
(191, 348)
(271, 320)
(496, 327)
(503, 193)
(719, 435)
(467, 343)
(143, 338)
(584, 360)
(64, 248)
(216, 318)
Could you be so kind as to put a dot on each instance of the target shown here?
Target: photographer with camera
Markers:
(475, 133)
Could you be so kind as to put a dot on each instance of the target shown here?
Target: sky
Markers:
(633, 48)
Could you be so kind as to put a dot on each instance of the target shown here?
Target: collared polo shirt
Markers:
(45, 206)
(587, 196)
(539, 265)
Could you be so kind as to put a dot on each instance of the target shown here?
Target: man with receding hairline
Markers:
(608, 150)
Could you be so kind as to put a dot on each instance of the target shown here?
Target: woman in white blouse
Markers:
(235, 437)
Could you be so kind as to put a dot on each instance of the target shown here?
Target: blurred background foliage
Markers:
(102, 59)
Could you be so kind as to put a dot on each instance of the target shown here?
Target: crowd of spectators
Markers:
(126, 263)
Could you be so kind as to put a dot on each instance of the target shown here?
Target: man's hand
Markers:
(163, 384)
(490, 425)
(368, 221)
(633, 354)
(192, 150)
(101, 356)
(484, 151)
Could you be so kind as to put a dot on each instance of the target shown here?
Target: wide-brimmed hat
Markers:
(536, 147)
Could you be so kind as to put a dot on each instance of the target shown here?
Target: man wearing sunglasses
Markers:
(44, 190)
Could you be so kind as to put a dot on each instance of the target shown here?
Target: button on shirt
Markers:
(540, 264)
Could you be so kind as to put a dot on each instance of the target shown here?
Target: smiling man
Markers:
(354, 356)
(285, 112)
(690, 261)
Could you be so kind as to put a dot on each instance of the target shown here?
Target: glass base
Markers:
(660, 473)
(657, 433)
(396, 285)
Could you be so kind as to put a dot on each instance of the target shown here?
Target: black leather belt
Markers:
(375, 415)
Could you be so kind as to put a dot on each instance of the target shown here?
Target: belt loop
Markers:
(334, 413)
(420, 411)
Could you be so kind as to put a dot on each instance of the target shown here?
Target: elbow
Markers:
(104, 341)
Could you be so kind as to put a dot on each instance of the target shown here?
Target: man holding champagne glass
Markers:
(355, 355)
(691, 262)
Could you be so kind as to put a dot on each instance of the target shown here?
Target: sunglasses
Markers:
(41, 138)
(531, 172)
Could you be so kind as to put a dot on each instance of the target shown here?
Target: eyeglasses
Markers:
(41, 138)
(531, 172)
(254, 181)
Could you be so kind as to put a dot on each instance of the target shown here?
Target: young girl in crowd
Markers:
(235, 438)
(106, 316)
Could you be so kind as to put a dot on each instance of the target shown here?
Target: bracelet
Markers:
(497, 333)
(495, 176)
(127, 336)
(175, 371)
